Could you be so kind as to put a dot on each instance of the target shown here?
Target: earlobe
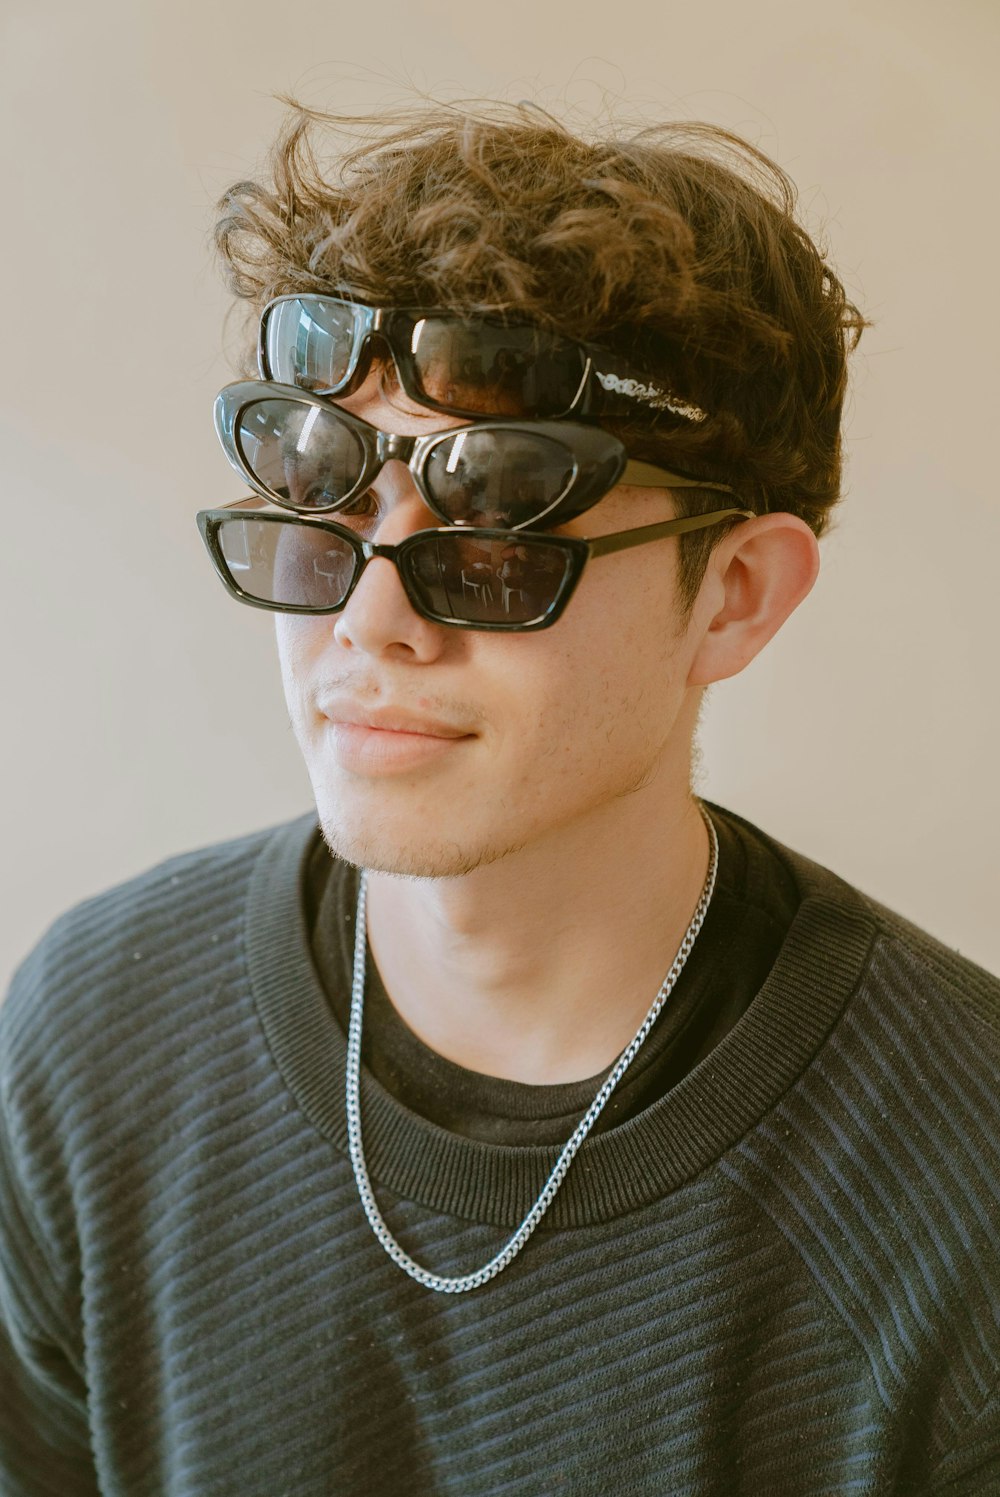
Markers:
(756, 577)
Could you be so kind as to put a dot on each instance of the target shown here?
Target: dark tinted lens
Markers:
(277, 561)
(497, 478)
(309, 343)
(482, 367)
(486, 581)
(299, 453)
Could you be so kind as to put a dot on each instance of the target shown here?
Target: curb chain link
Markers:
(462, 1283)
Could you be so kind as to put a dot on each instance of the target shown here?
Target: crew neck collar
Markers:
(671, 1141)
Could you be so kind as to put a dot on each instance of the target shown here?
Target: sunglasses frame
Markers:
(604, 380)
(581, 442)
(580, 550)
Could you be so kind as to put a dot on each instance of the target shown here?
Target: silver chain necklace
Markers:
(506, 1255)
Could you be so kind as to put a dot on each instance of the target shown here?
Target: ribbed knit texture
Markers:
(781, 1278)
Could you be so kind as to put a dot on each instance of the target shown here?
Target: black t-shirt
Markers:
(754, 903)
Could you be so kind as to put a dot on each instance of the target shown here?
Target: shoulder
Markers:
(931, 973)
(905, 963)
(879, 1164)
(907, 1078)
(107, 961)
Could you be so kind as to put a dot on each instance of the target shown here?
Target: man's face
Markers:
(434, 750)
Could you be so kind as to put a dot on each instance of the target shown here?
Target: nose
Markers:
(378, 618)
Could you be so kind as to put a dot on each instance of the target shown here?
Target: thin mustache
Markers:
(370, 695)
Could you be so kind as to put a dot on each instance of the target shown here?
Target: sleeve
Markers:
(45, 1448)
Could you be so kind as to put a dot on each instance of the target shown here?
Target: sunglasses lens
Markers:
(502, 582)
(308, 457)
(277, 561)
(483, 368)
(308, 341)
(467, 365)
(301, 454)
(502, 479)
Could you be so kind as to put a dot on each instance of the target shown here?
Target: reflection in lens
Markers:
(501, 478)
(507, 580)
(299, 453)
(279, 561)
(483, 367)
(309, 343)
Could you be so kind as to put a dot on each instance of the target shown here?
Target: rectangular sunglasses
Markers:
(463, 577)
(302, 452)
(467, 365)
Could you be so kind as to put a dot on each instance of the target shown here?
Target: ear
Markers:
(757, 575)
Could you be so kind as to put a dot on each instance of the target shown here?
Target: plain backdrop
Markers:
(142, 708)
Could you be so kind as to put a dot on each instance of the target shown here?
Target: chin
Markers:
(408, 852)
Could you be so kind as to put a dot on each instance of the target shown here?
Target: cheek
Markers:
(604, 685)
(623, 620)
(300, 642)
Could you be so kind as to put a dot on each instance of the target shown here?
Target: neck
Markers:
(540, 967)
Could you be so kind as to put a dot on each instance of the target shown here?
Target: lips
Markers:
(390, 740)
(389, 720)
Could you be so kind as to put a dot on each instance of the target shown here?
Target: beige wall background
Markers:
(142, 709)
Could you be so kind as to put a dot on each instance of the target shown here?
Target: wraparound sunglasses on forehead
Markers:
(465, 577)
(467, 365)
(305, 453)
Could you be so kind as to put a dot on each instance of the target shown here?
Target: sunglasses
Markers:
(467, 578)
(465, 365)
(304, 453)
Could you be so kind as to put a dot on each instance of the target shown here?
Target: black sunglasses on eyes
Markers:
(467, 365)
(465, 577)
(305, 453)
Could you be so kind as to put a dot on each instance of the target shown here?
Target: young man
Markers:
(588, 1141)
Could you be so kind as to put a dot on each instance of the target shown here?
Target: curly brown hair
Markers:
(676, 247)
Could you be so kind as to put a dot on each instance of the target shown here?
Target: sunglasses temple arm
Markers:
(622, 540)
(651, 476)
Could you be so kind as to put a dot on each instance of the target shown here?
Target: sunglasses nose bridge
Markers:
(370, 549)
(364, 552)
(390, 444)
(375, 346)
